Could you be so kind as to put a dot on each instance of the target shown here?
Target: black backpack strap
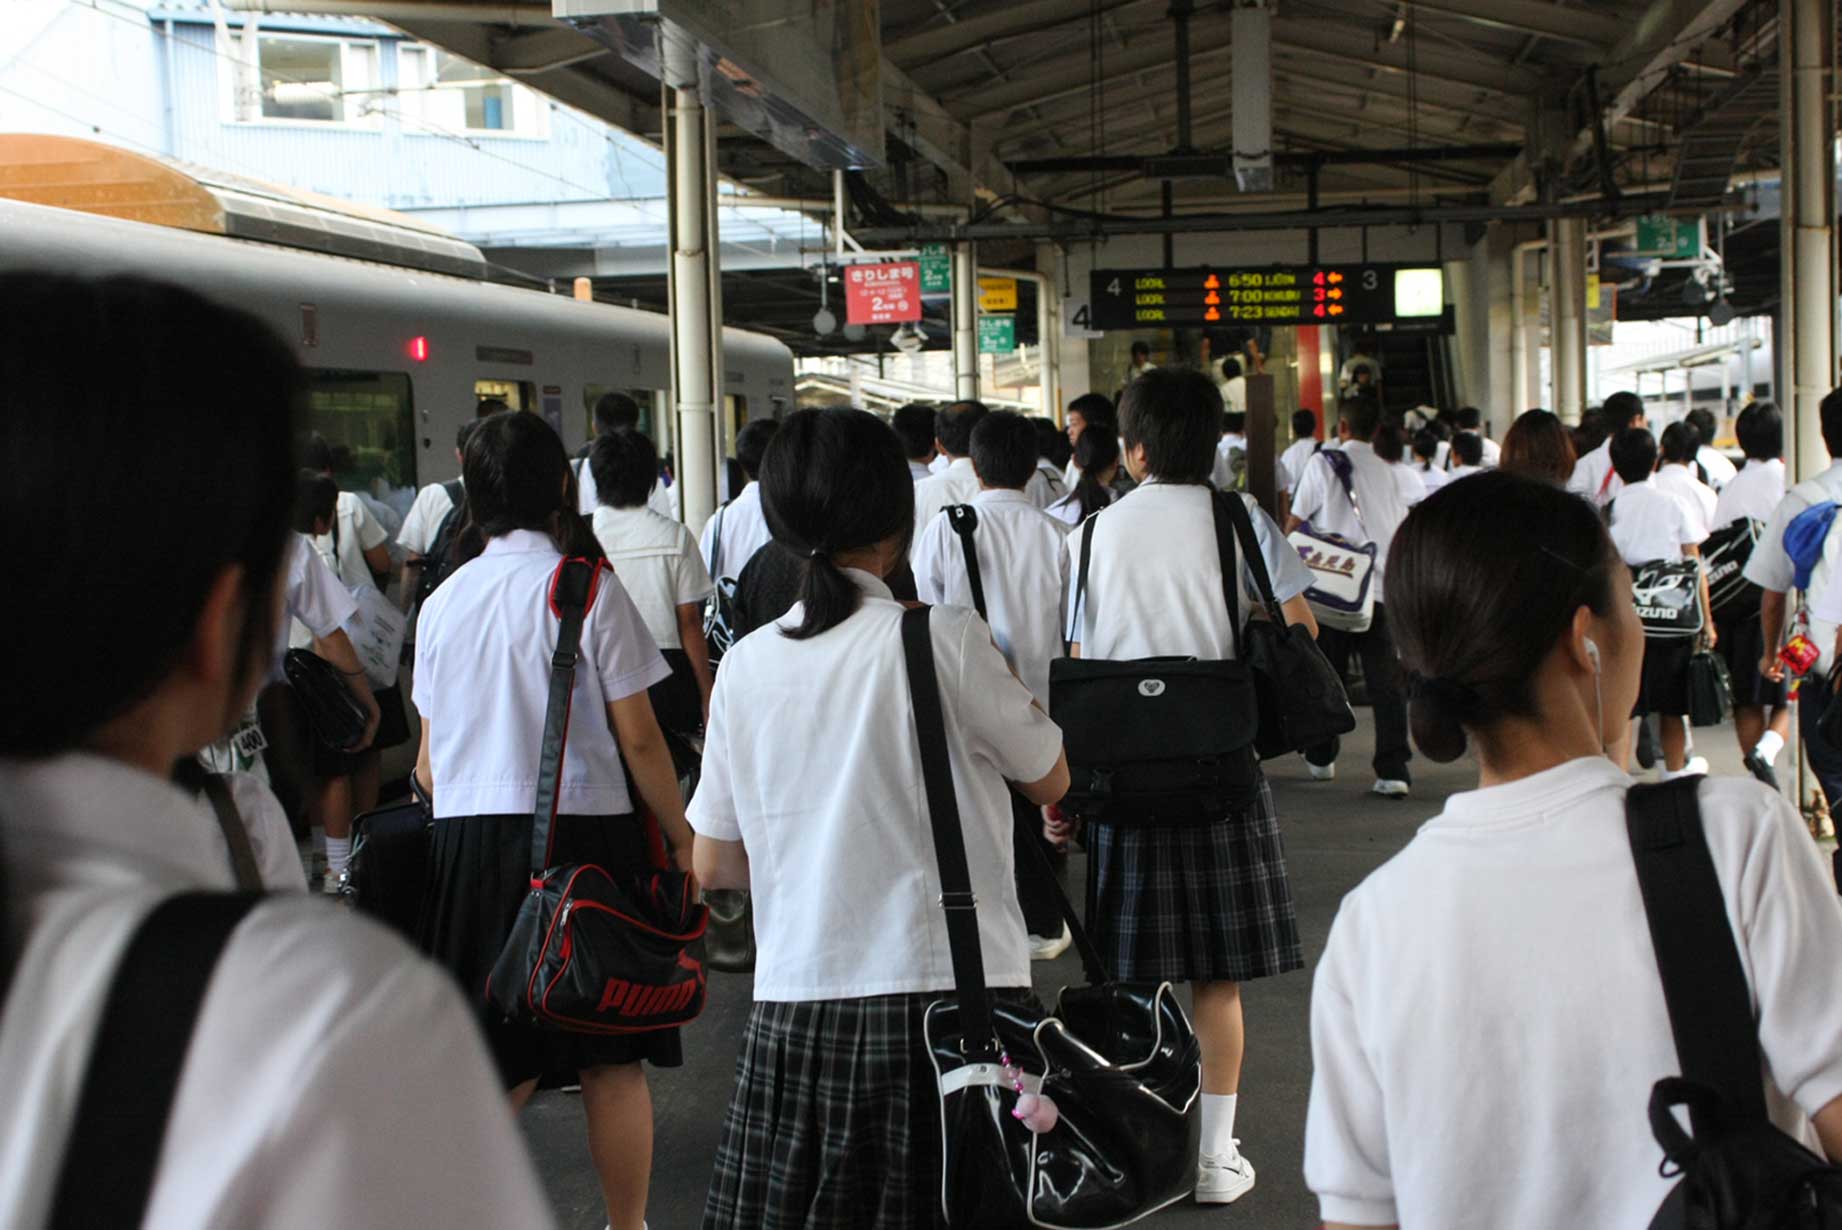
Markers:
(137, 1059)
(1074, 609)
(572, 592)
(1704, 983)
(965, 521)
(1231, 576)
(1240, 523)
(956, 895)
(716, 541)
(236, 836)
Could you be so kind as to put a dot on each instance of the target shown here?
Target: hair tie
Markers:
(1450, 694)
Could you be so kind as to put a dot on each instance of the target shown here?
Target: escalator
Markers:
(1416, 371)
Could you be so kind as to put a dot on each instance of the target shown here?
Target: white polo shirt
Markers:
(1430, 478)
(1223, 476)
(662, 499)
(1681, 482)
(1024, 571)
(483, 683)
(424, 519)
(917, 470)
(832, 810)
(1154, 580)
(1753, 492)
(745, 531)
(1067, 510)
(1720, 470)
(1045, 486)
(658, 565)
(1770, 568)
(1649, 524)
(1292, 462)
(358, 532)
(317, 604)
(1594, 478)
(1492, 992)
(334, 1078)
(957, 484)
(1384, 498)
(939, 463)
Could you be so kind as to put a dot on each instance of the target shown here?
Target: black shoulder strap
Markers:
(1704, 984)
(965, 520)
(1231, 576)
(456, 490)
(572, 592)
(236, 836)
(1241, 525)
(1075, 613)
(137, 1059)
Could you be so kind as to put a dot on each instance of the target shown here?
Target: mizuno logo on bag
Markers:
(1151, 687)
(636, 999)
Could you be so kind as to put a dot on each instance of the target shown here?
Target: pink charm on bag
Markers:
(1035, 1111)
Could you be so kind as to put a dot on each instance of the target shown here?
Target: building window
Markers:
(313, 80)
(445, 93)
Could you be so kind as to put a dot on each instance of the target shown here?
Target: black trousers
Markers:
(1042, 910)
(1813, 697)
(1387, 695)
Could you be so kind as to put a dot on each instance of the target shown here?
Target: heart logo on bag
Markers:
(1151, 687)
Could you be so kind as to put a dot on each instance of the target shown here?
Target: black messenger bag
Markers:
(1157, 741)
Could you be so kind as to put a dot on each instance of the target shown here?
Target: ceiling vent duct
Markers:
(1252, 34)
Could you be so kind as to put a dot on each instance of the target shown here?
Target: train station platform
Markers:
(1336, 833)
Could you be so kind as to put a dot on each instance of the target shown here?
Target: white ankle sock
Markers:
(1218, 1123)
(1769, 745)
(338, 854)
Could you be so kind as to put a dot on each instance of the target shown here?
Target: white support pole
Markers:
(1809, 172)
(697, 330)
(965, 322)
(1569, 317)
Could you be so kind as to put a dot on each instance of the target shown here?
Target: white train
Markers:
(398, 359)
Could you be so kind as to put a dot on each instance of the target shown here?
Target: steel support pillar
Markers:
(1808, 287)
(695, 301)
(1567, 243)
(965, 322)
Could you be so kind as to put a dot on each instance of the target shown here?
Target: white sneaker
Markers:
(1042, 949)
(1322, 772)
(1224, 1179)
(1696, 764)
(1390, 788)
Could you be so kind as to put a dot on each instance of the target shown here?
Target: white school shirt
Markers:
(1594, 478)
(658, 564)
(1492, 451)
(423, 521)
(1222, 478)
(483, 682)
(1458, 472)
(1154, 579)
(1649, 524)
(1720, 470)
(1385, 499)
(335, 1077)
(832, 810)
(957, 484)
(1430, 478)
(940, 462)
(1023, 569)
(1492, 993)
(1234, 394)
(661, 499)
(918, 470)
(1292, 462)
(1753, 492)
(1067, 510)
(745, 531)
(271, 840)
(358, 532)
(317, 604)
(1681, 482)
(1770, 568)
(1045, 486)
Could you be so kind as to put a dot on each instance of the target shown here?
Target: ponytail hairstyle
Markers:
(1483, 579)
(834, 480)
(1096, 453)
(517, 477)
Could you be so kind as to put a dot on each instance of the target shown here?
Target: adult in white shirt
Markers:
(1593, 475)
(914, 427)
(324, 1048)
(657, 561)
(1717, 471)
(1676, 472)
(825, 821)
(1493, 990)
(1160, 905)
(1761, 716)
(1772, 571)
(1369, 510)
(1470, 422)
(1650, 524)
(482, 683)
(957, 483)
(739, 528)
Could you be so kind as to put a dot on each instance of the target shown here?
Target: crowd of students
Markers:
(338, 1075)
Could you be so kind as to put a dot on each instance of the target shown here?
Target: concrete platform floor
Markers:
(1336, 833)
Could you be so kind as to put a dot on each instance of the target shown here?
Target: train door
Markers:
(516, 394)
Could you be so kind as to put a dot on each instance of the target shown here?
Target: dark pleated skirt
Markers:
(1741, 645)
(1664, 684)
(481, 874)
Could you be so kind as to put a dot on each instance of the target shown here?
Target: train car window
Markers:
(516, 394)
(369, 420)
(655, 419)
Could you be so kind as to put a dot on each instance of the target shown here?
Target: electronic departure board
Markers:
(1266, 295)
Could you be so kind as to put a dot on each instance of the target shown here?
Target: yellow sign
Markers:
(1592, 292)
(997, 294)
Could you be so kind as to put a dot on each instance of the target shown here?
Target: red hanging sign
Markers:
(883, 294)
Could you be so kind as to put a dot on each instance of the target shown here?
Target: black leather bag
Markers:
(1738, 1171)
(338, 720)
(388, 875)
(1121, 1064)
(591, 952)
(1668, 594)
(1725, 555)
(729, 933)
(1710, 689)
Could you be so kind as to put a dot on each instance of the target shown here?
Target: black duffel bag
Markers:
(388, 874)
(337, 717)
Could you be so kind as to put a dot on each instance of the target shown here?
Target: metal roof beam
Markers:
(937, 42)
(1667, 33)
(1580, 27)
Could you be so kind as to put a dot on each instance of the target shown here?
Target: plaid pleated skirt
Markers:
(1194, 903)
(835, 1120)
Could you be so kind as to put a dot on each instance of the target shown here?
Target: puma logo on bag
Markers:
(637, 999)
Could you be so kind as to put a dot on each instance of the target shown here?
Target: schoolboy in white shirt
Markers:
(1593, 475)
(914, 427)
(1468, 453)
(1676, 473)
(740, 523)
(956, 484)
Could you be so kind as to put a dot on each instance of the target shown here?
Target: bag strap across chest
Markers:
(965, 522)
(573, 587)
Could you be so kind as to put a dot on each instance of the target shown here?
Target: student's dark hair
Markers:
(202, 469)
(1634, 454)
(752, 444)
(1234, 421)
(1361, 369)
(462, 432)
(1426, 444)
(1140, 350)
(1176, 414)
(1096, 410)
(614, 412)
(835, 480)
(1051, 441)
(1469, 418)
(1484, 577)
(1363, 414)
(1829, 416)
(1097, 452)
(1004, 450)
(1621, 409)
(1702, 420)
(1304, 424)
(316, 498)
(518, 478)
(625, 466)
(1468, 447)
(1231, 367)
(914, 426)
(486, 407)
(1679, 444)
(1537, 445)
(316, 453)
(1760, 430)
(953, 425)
(1442, 427)
(1389, 442)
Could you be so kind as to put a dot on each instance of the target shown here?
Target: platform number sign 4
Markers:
(1078, 319)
